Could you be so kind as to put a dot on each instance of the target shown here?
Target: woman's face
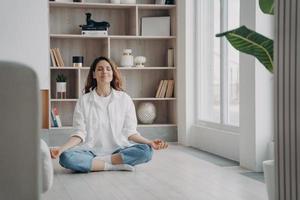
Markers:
(103, 72)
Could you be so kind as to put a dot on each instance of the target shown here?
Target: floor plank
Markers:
(175, 173)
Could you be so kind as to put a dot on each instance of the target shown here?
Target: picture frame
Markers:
(155, 26)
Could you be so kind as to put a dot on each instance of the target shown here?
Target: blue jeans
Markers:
(80, 160)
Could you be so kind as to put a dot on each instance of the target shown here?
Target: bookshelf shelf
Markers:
(139, 125)
(154, 99)
(59, 68)
(118, 37)
(74, 36)
(156, 125)
(63, 100)
(59, 128)
(146, 68)
(113, 37)
(155, 7)
(110, 6)
(90, 5)
(120, 68)
(141, 83)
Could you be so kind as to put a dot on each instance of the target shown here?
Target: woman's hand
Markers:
(55, 152)
(158, 144)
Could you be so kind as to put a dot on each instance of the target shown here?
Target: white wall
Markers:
(185, 69)
(24, 35)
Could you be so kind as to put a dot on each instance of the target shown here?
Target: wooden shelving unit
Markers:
(141, 83)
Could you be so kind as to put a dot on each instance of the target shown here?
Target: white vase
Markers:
(269, 174)
(146, 112)
(127, 58)
(61, 86)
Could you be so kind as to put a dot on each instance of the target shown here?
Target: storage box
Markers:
(155, 26)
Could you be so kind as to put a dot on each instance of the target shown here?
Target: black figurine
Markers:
(93, 25)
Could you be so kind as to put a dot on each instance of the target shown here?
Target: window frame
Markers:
(224, 84)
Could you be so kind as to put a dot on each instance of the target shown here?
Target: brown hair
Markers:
(91, 83)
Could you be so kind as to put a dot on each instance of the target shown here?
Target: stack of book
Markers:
(97, 33)
(55, 119)
(165, 89)
(56, 58)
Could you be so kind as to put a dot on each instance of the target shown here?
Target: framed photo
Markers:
(155, 26)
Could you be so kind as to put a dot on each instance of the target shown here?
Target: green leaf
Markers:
(253, 43)
(61, 78)
(267, 6)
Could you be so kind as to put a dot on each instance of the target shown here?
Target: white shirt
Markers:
(104, 124)
(104, 140)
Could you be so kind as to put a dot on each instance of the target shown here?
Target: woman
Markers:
(105, 121)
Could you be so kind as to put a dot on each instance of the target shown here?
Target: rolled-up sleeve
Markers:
(79, 122)
(130, 122)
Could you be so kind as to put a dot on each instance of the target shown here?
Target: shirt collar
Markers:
(114, 94)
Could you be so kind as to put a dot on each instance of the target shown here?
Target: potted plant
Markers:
(251, 42)
(61, 85)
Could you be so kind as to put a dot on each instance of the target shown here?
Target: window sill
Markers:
(217, 126)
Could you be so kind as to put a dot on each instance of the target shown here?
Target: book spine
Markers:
(52, 58)
(163, 90)
(170, 87)
(170, 57)
(57, 117)
(56, 57)
(53, 119)
(159, 88)
(60, 58)
(59, 124)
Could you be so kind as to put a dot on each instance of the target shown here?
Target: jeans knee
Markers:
(64, 159)
(146, 152)
(77, 160)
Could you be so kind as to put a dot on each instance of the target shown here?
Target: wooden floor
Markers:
(172, 174)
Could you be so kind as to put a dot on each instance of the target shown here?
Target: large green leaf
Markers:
(267, 6)
(253, 43)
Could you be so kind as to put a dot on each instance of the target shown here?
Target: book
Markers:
(94, 33)
(57, 117)
(170, 57)
(93, 28)
(61, 61)
(55, 57)
(163, 89)
(159, 88)
(52, 58)
(53, 119)
(170, 89)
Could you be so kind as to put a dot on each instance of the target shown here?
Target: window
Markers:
(217, 62)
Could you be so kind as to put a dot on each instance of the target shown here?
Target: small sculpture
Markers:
(140, 61)
(93, 25)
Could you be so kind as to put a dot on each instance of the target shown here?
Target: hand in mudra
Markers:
(158, 144)
(55, 152)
